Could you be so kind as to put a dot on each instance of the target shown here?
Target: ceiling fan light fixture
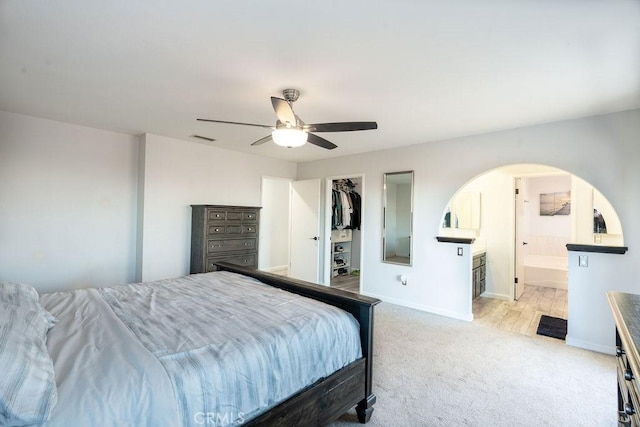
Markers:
(289, 137)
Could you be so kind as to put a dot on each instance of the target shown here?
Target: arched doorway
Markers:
(522, 217)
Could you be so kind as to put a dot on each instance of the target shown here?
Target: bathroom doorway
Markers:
(540, 245)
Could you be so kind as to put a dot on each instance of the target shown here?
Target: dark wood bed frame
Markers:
(329, 398)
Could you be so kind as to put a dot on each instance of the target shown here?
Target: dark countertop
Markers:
(626, 313)
(621, 250)
(462, 240)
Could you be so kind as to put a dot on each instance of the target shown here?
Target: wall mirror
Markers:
(398, 216)
(464, 211)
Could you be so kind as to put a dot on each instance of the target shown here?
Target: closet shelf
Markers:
(341, 252)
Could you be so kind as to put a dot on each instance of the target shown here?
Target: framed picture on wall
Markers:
(558, 203)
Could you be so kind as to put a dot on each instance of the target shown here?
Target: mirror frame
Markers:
(385, 219)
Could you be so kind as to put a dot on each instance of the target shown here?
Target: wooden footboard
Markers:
(331, 397)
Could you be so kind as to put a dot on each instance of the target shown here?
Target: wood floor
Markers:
(521, 316)
(346, 283)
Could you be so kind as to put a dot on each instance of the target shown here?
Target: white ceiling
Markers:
(424, 70)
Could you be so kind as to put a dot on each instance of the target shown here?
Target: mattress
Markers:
(216, 348)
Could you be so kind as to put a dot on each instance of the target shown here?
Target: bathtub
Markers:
(546, 270)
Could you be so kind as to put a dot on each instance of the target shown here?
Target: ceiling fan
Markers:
(290, 131)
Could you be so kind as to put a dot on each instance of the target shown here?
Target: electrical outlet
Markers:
(583, 260)
(459, 251)
(403, 279)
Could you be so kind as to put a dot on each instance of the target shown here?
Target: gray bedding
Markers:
(230, 346)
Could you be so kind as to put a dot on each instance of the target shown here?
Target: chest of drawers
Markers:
(625, 308)
(223, 233)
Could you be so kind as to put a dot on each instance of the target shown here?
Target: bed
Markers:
(233, 347)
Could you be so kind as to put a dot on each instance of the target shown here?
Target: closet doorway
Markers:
(343, 223)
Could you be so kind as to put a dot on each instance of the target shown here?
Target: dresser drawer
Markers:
(633, 403)
(214, 246)
(247, 260)
(216, 229)
(242, 216)
(249, 216)
(249, 229)
(628, 392)
(216, 215)
(234, 229)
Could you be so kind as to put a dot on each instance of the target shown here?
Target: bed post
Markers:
(364, 409)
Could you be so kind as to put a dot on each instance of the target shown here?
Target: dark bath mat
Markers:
(554, 327)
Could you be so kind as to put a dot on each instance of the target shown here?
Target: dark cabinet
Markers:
(223, 233)
(625, 308)
(479, 274)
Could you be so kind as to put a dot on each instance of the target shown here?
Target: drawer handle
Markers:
(217, 229)
(628, 409)
(628, 375)
(619, 351)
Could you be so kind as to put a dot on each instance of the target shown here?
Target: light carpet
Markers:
(430, 370)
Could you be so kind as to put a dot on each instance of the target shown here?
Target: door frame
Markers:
(326, 259)
(518, 237)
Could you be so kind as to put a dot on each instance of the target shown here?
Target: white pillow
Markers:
(28, 390)
(24, 295)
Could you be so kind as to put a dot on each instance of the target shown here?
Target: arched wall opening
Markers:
(557, 208)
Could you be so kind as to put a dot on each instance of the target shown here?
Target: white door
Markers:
(520, 249)
(304, 258)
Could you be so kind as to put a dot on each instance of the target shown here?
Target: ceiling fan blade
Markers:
(235, 123)
(340, 127)
(283, 111)
(320, 142)
(263, 140)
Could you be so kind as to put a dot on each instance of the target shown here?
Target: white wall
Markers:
(67, 204)
(84, 207)
(274, 223)
(582, 201)
(590, 324)
(178, 174)
(541, 225)
(567, 145)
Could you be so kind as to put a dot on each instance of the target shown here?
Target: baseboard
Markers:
(590, 346)
(548, 284)
(429, 309)
(496, 296)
